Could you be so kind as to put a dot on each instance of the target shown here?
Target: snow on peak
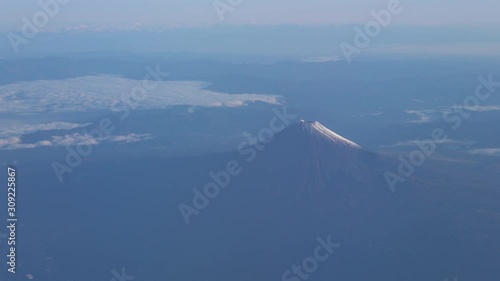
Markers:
(317, 129)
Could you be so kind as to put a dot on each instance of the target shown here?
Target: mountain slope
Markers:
(307, 183)
(308, 157)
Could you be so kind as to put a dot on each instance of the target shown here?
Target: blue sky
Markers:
(126, 13)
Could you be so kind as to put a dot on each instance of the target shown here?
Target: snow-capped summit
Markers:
(312, 135)
(316, 129)
(311, 142)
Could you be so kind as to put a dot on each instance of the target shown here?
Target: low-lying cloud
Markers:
(486, 151)
(443, 141)
(8, 131)
(481, 108)
(14, 143)
(424, 116)
(95, 93)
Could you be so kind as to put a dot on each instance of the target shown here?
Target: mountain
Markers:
(308, 184)
(307, 158)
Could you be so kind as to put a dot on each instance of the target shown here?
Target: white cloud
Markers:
(418, 142)
(424, 116)
(14, 143)
(94, 93)
(481, 108)
(428, 115)
(130, 138)
(322, 59)
(74, 139)
(20, 129)
(486, 151)
(373, 114)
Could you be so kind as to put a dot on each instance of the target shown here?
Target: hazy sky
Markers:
(120, 13)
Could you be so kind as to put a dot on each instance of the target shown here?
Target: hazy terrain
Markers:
(94, 200)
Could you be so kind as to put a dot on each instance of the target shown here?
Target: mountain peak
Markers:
(315, 129)
(316, 158)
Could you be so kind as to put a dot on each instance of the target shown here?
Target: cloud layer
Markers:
(8, 131)
(486, 151)
(95, 93)
(14, 143)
